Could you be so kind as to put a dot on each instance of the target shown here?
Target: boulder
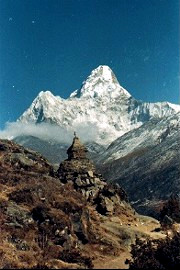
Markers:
(90, 173)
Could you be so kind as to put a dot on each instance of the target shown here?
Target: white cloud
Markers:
(47, 131)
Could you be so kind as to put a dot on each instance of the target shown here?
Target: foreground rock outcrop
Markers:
(51, 220)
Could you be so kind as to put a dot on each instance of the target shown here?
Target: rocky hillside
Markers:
(145, 162)
(48, 222)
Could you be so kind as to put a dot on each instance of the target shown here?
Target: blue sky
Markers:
(55, 44)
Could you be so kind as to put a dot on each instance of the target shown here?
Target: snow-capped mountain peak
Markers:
(42, 108)
(101, 82)
(45, 94)
(102, 71)
(46, 97)
(102, 104)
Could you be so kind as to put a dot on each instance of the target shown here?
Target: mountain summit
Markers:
(101, 104)
(101, 82)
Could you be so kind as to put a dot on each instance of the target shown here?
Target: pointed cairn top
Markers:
(77, 150)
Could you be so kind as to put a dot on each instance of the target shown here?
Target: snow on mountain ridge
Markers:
(150, 134)
(101, 81)
(101, 103)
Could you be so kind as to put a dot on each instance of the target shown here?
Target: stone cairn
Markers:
(81, 172)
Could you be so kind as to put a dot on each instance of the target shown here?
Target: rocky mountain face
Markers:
(101, 106)
(52, 150)
(145, 162)
(65, 219)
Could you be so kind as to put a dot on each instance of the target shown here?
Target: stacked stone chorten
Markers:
(77, 150)
(80, 171)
